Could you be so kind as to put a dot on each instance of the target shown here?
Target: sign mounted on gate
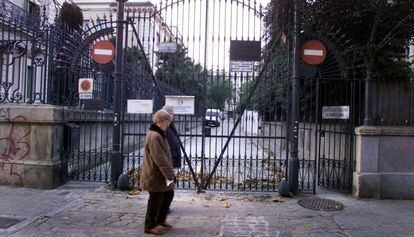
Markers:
(245, 50)
(168, 47)
(139, 106)
(335, 112)
(85, 88)
(241, 66)
(313, 52)
(181, 104)
(103, 52)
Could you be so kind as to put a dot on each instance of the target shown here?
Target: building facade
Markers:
(148, 28)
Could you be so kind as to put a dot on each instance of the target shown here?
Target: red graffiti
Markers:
(401, 144)
(13, 149)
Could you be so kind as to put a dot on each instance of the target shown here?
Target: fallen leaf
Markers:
(277, 200)
(307, 226)
(134, 191)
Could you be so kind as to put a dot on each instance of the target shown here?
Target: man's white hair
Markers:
(169, 109)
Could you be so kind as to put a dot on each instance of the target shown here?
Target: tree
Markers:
(72, 15)
(218, 91)
(373, 33)
(176, 68)
(180, 73)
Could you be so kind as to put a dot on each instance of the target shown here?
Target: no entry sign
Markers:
(313, 52)
(103, 52)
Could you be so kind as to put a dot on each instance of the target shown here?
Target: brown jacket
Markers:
(157, 165)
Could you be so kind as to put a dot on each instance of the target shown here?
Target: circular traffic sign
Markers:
(313, 52)
(103, 52)
(85, 85)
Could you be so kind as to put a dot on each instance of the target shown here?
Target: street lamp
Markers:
(116, 158)
(293, 164)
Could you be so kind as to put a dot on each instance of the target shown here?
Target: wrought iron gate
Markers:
(242, 151)
(326, 140)
(182, 48)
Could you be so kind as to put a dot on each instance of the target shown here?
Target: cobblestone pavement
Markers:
(93, 209)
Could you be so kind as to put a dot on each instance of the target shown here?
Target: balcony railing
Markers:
(17, 16)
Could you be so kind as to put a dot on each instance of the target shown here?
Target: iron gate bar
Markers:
(203, 133)
(244, 106)
(148, 65)
(149, 68)
(217, 136)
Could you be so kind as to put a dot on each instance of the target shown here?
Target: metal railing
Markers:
(15, 15)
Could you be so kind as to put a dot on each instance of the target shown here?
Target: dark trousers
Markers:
(157, 208)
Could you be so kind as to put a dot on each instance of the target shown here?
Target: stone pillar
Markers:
(31, 138)
(384, 162)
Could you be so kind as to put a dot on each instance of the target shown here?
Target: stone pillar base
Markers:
(31, 145)
(384, 163)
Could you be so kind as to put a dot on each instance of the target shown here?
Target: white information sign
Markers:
(181, 104)
(241, 66)
(85, 96)
(139, 106)
(335, 112)
(168, 47)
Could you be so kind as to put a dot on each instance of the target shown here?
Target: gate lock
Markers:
(322, 133)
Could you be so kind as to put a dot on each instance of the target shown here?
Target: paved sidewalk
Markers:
(93, 209)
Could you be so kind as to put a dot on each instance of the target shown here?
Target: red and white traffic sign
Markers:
(103, 52)
(85, 88)
(313, 52)
(85, 85)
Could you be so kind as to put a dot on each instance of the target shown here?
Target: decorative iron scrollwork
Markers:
(14, 48)
(38, 57)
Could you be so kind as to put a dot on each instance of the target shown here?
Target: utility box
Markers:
(71, 138)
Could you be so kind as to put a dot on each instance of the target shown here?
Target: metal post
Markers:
(293, 172)
(368, 95)
(116, 158)
(203, 134)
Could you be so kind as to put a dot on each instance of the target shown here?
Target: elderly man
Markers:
(157, 174)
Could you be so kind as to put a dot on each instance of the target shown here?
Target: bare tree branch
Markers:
(379, 12)
(389, 36)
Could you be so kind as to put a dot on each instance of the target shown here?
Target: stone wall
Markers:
(384, 162)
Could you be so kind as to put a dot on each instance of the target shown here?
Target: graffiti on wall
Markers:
(14, 147)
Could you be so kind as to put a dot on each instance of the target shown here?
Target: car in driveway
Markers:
(212, 118)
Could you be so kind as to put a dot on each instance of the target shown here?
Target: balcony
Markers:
(14, 15)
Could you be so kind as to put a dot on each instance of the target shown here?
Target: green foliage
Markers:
(136, 58)
(218, 91)
(72, 15)
(174, 66)
(271, 97)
